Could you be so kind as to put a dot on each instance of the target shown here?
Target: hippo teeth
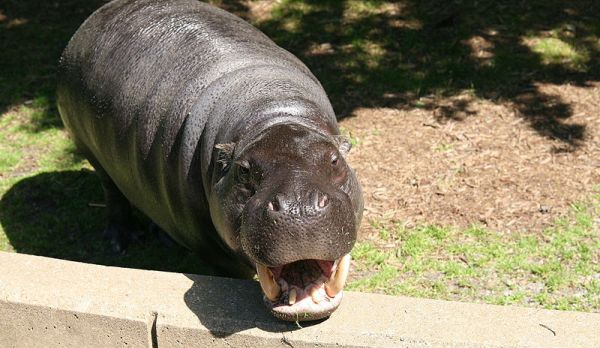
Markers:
(268, 283)
(337, 280)
(295, 282)
(292, 297)
(315, 295)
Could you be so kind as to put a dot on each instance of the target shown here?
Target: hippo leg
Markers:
(118, 229)
(118, 211)
(162, 236)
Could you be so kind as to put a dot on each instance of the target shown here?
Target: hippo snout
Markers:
(300, 242)
(298, 225)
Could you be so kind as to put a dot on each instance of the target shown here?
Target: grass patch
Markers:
(553, 50)
(26, 148)
(558, 269)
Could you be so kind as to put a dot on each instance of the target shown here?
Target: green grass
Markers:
(561, 47)
(554, 50)
(25, 147)
(558, 269)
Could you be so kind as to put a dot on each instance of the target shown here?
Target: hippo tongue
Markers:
(304, 272)
(305, 289)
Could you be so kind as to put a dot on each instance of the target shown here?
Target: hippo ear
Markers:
(343, 144)
(225, 154)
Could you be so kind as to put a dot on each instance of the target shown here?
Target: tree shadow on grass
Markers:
(392, 54)
(32, 37)
(53, 214)
(367, 53)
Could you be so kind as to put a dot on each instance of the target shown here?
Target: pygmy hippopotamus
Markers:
(222, 138)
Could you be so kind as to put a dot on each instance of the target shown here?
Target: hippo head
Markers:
(290, 204)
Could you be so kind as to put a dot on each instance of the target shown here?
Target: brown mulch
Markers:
(486, 165)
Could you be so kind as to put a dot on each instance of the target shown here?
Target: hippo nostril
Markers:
(323, 201)
(273, 206)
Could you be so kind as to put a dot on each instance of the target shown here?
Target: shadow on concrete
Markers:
(59, 214)
(226, 310)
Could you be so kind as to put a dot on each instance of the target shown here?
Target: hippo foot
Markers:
(162, 236)
(304, 290)
(118, 237)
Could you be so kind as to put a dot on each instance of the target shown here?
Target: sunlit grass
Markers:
(28, 145)
(558, 269)
(559, 48)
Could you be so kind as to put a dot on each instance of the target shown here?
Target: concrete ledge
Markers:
(46, 302)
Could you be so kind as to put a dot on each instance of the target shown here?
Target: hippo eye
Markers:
(243, 171)
(334, 160)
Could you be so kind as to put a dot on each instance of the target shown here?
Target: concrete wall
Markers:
(46, 302)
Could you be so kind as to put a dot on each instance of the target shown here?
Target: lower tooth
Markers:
(316, 295)
(336, 282)
(268, 284)
(292, 297)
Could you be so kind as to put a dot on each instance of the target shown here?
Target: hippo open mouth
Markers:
(304, 290)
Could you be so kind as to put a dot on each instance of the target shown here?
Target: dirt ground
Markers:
(484, 166)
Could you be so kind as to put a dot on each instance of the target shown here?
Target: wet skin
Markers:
(222, 138)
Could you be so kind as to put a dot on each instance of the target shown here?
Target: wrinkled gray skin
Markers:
(225, 140)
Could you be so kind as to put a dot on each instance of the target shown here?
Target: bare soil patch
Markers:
(486, 165)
